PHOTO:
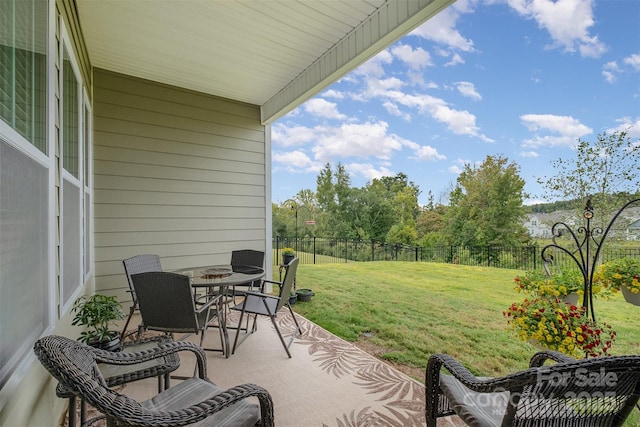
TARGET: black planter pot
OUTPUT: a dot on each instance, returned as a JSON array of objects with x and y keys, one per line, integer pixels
[
  {"x": 304, "y": 295},
  {"x": 286, "y": 259},
  {"x": 293, "y": 298},
  {"x": 113, "y": 345}
]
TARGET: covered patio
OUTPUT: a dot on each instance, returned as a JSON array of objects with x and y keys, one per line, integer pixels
[
  {"x": 328, "y": 381},
  {"x": 133, "y": 127}
]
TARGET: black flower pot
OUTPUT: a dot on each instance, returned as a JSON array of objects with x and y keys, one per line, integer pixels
[
  {"x": 293, "y": 298},
  {"x": 112, "y": 345},
  {"x": 304, "y": 295},
  {"x": 286, "y": 259}
]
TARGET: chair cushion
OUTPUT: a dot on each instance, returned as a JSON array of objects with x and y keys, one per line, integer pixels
[
  {"x": 195, "y": 390},
  {"x": 475, "y": 409}
]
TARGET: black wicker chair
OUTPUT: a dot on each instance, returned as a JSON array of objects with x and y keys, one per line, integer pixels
[
  {"x": 260, "y": 304},
  {"x": 135, "y": 265},
  {"x": 167, "y": 305},
  {"x": 594, "y": 392},
  {"x": 197, "y": 399},
  {"x": 115, "y": 375}
]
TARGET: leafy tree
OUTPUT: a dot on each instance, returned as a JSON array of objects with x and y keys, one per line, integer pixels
[
  {"x": 486, "y": 205},
  {"x": 605, "y": 171},
  {"x": 334, "y": 200}
]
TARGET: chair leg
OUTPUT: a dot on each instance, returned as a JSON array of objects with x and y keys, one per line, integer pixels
[
  {"x": 284, "y": 344},
  {"x": 72, "y": 411},
  {"x": 126, "y": 324},
  {"x": 294, "y": 319}
]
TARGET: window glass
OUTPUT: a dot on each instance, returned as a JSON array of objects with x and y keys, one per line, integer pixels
[
  {"x": 70, "y": 117},
  {"x": 23, "y": 30}
]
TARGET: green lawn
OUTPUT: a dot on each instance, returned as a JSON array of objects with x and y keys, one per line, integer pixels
[{"x": 412, "y": 310}]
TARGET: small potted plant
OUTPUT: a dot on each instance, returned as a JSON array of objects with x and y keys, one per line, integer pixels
[
  {"x": 621, "y": 274},
  {"x": 288, "y": 254},
  {"x": 95, "y": 313}
]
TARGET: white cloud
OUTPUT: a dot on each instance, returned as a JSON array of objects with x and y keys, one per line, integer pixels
[
  {"x": 529, "y": 154},
  {"x": 441, "y": 28},
  {"x": 295, "y": 161},
  {"x": 459, "y": 122},
  {"x": 567, "y": 21},
  {"x": 427, "y": 152},
  {"x": 331, "y": 93},
  {"x": 469, "y": 90},
  {"x": 367, "y": 170},
  {"x": 633, "y": 61},
  {"x": 355, "y": 140},
  {"x": 629, "y": 125},
  {"x": 456, "y": 59},
  {"x": 567, "y": 128},
  {"x": 416, "y": 59},
  {"x": 291, "y": 136},
  {"x": 374, "y": 66},
  {"x": 609, "y": 71},
  {"x": 322, "y": 108},
  {"x": 458, "y": 166},
  {"x": 394, "y": 110}
]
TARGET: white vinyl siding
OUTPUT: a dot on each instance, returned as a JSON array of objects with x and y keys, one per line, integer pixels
[{"x": 177, "y": 173}]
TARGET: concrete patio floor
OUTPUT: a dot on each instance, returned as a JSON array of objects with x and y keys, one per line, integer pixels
[{"x": 328, "y": 381}]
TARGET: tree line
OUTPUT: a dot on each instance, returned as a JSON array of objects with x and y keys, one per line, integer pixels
[{"x": 485, "y": 206}]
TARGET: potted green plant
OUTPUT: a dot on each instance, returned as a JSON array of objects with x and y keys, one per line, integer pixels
[
  {"x": 288, "y": 254},
  {"x": 95, "y": 313}
]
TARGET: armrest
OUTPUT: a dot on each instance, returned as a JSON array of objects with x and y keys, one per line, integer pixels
[
  {"x": 136, "y": 413},
  {"x": 480, "y": 385},
  {"x": 275, "y": 282},
  {"x": 164, "y": 349},
  {"x": 538, "y": 359}
]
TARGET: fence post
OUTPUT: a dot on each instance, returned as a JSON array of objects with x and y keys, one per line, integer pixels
[
  {"x": 346, "y": 243},
  {"x": 314, "y": 249}
]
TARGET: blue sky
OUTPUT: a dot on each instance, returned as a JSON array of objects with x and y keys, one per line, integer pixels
[{"x": 523, "y": 79}]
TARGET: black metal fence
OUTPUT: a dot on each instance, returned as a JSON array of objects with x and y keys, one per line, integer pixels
[{"x": 319, "y": 250}]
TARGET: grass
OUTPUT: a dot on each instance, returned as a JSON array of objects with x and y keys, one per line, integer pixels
[{"x": 409, "y": 310}]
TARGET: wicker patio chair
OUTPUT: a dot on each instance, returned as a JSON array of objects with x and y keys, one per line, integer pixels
[
  {"x": 135, "y": 265},
  {"x": 246, "y": 260},
  {"x": 594, "y": 392},
  {"x": 166, "y": 304},
  {"x": 196, "y": 401},
  {"x": 260, "y": 304},
  {"x": 115, "y": 375}
]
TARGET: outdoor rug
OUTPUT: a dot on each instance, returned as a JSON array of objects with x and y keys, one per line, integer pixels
[{"x": 327, "y": 383}]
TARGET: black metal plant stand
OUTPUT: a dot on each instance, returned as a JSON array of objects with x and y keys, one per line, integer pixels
[{"x": 586, "y": 252}]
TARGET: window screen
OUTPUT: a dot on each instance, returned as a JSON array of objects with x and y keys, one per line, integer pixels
[{"x": 24, "y": 290}]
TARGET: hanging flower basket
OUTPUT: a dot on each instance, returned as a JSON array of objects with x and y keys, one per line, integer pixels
[
  {"x": 558, "y": 326},
  {"x": 630, "y": 296},
  {"x": 621, "y": 275}
]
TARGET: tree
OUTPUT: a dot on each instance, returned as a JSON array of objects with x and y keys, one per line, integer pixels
[
  {"x": 486, "y": 205},
  {"x": 605, "y": 171}
]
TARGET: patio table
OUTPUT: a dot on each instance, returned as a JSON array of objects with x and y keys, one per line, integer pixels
[{"x": 220, "y": 281}]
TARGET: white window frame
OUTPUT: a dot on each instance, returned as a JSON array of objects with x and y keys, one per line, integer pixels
[
  {"x": 47, "y": 160},
  {"x": 66, "y": 46}
]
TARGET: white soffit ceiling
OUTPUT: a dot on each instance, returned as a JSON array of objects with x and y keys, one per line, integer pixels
[{"x": 272, "y": 53}]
